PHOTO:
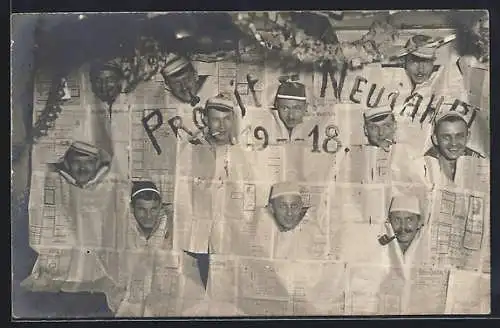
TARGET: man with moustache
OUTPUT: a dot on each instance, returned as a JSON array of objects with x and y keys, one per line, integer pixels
[
  {"x": 286, "y": 206},
  {"x": 83, "y": 165},
  {"x": 444, "y": 160},
  {"x": 405, "y": 221},
  {"x": 382, "y": 158},
  {"x": 106, "y": 81},
  {"x": 425, "y": 77}
]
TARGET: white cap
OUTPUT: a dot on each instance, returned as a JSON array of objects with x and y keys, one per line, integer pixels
[
  {"x": 174, "y": 63},
  {"x": 222, "y": 102},
  {"x": 409, "y": 204},
  {"x": 85, "y": 148},
  {"x": 418, "y": 45},
  {"x": 371, "y": 113},
  {"x": 284, "y": 188}
]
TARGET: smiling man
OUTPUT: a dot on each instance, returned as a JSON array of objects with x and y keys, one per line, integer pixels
[
  {"x": 219, "y": 118},
  {"x": 449, "y": 139},
  {"x": 152, "y": 222},
  {"x": 285, "y": 203},
  {"x": 405, "y": 219}
]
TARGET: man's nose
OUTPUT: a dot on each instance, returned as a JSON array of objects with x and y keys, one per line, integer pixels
[{"x": 453, "y": 141}]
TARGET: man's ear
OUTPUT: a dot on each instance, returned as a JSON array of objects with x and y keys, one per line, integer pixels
[
  {"x": 204, "y": 119},
  {"x": 270, "y": 207},
  {"x": 434, "y": 139},
  {"x": 365, "y": 130}
]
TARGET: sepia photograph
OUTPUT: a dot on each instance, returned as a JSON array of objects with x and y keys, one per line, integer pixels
[{"x": 250, "y": 164}]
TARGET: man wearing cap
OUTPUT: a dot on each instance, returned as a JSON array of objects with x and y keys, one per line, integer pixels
[
  {"x": 425, "y": 77},
  {"x": 152, "y": 224},
  {"x": 283, "y": 237},
  {"x": 220, "y": 121},
  {"x": 406, "y": 241},
  {"x": 181, "y": 78},
  {"x": 404, "y": 223},
  {"x": 308, "y": 142},
  {"x": 148, "y": 232},
  {"x": 444, "y": 160},
  {"x": 106, "y": 81},
  {"x": 83, "y": 165},
  {"x": 382, "y": 158}
]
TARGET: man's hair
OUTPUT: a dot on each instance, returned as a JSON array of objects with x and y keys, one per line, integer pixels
[
  {"x": 450, "y": 119},
  {"x": 146, "y": 195},
  {"x": 381, "y": 118}
]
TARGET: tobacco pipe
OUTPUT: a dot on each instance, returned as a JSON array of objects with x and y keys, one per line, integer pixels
[{"x": 384, "y": 239}]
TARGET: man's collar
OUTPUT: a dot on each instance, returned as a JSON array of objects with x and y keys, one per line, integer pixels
[{"x": 434, "y": 152}]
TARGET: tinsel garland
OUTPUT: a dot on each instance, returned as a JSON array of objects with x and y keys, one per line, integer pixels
[{"x": 277, "y": 32}]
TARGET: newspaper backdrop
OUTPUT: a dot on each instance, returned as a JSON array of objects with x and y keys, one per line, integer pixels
[{"x": 216, "y": 198}]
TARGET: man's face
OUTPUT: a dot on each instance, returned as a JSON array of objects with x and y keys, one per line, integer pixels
[
  {"x": 405, "y": 225},
  {"x": 220, "y": 125},
  {"x": 287, "y": 210},
  {"x": 147, "y": 212},
  {"x": 107, "y": 85},
  {"x": 381, "y": 133},
  {"x": 419, "y": 69},
  {"x": 183, "y": 85},
  {"x": 451, "y": 138},
  {"x": 291, "y": 111},
  {"x": 83, "y": 168}
]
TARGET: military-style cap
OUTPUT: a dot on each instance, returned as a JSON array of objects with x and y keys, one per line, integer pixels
[
  {"x": 372, "y": 113},
  {"x": 417, "y": 46},
  {"x": 84, "y": 148},
  {"x": 221, "y": 102},
  {"x": 284, "y": 188},
  {"x": 291, "y": 90},
  {"x": 409, "y": 204},
  {"x": 450, "y": 113},
  {"x": 174, "y": 63},
  {"x": 141, "y": 186}
]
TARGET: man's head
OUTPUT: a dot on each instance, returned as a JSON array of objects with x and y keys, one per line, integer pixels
[
  {"x": 219, "y": 118},
  {"x": 291, "y": 103},
  {"x": 419, "y": 64},
  {"x": 405, "y": 218},
  {"x": 106, "y": 81},
  {"x": 286, "y": 204},
  {"x": 380, "y": 126},
  {"x": 82, "y": 160},
  {"x": 450, "y": 134},
  {"x": 181, "y": 77},
  {"x": 146, "y": 204}
]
